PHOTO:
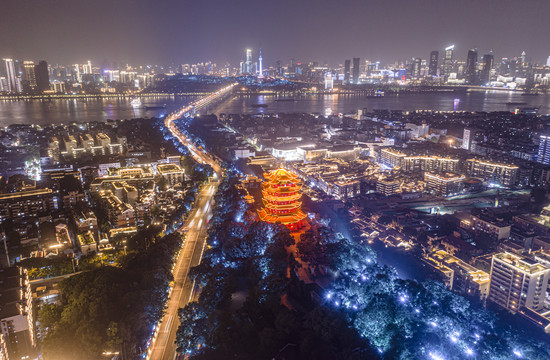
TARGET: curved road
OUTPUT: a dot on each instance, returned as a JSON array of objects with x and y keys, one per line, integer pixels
[{"x": 163, "y": 345}]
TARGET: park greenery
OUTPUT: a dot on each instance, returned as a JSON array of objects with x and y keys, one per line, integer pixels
[
  {"x": 111, "y": 308},
  {"x": 253, "y": 304}
]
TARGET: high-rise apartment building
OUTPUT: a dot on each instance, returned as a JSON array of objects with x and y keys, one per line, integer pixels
[
  {"x": 471, "y": 64},
  {"x": 544, "y": 150},
  {"x": 417, "y": 66},
  {"x": 42, "y": 76},
  {"x": 87, "y": 68},
  {"x": 355, "y": 71},
  {"x": 448, "y": 61},
  {"x": 485, "y": 74},
  {"x": 248, "y": 62},
  {"x": 29, "y": 76},
  {"x": 517, "y": 282},
  {"x": 17, "y": 329},
  {"x": 501, "y": 174},
  {"x": 434, "y": 59},
  {"x": 347, "y": 71},
  {"x": 11, "y": 75}
]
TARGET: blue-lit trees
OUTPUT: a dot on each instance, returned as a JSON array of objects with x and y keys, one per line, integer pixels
[{"x": 405, "y": 319}]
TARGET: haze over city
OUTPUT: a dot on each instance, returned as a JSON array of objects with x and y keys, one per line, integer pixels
[
  {"x": 171, "y": 31},
  {"x": 285, "y": 180}
]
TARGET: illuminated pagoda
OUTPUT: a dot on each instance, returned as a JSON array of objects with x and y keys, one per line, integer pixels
[{"x": 281, "y": 197}]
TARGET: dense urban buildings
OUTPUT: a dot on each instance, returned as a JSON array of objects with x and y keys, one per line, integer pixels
[{"x": 297, "y": 192}]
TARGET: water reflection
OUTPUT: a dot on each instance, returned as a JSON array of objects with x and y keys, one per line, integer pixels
[{"x": 43, "y": 112}]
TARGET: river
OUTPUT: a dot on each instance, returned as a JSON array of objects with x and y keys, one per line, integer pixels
[
  {"x": 58, "y": 111},
  {"x": 474, "y": 101},
  {"x": 43, "y": 112}
]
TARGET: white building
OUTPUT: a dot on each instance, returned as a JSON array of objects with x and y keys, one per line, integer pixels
[{"x": 518, "y": 282}]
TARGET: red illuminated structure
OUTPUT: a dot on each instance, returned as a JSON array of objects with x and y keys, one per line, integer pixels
[{"x": 281, "y": 197}]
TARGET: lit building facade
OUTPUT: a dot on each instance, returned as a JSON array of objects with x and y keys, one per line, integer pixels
[
  {"x": 517, "y": 282},
  {"x": 443, "y": 184},
  {"x": 500, "y": 174},
  {"x": 387, "y": 186},
  {"x": 281, "y": 198}
]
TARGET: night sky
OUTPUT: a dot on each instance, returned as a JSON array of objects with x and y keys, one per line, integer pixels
[{"x": 182, "y": 31}]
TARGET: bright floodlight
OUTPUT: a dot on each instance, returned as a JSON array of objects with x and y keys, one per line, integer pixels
[{"x": 435, "y": 356}]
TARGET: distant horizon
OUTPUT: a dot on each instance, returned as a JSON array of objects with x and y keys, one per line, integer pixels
[
  {"x": 171, "y": 32},
  {"x": 458, "y": 55}
]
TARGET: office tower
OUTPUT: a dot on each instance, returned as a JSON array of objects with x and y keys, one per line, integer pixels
[
  {"x": 355, "y": 71},
  {"x": 347, "y": 66},
  {"x": 485, "y": 74},
  {"x": 544, "y": 150},
  {"x": 467, "y": 139},
  {"x": 471, "y": 62},
  {"x": 10, "y": 75},
  {"x": 523, "y": 59},
  {"x": 87, "y": 68},
  {"x": 29, "y": 77},
  {"x": 517, "y": 282},
  {"x": 248, "y": 61},
  {"x": 76, "y": 72},
  {"x": 434, "y": 58},
  {"x": 548, "y": 61},
  {"x": 417, "y": 65},
  {"x": 329, "y": 82},
  {"x": 260, "y": 71},
  {"x": 42, "y": 76},
  {"x": 448, "y": 61}
]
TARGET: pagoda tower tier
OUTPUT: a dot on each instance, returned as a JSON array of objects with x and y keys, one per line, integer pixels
[{"x": 282, "y": 192}]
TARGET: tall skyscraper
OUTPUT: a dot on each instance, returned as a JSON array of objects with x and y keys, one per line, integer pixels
[
  {"x": 87, "y": 68},
  {"x": 260, "y": 71},
  {"x": 347, "y": 70},
  {"x": 42, "y": 76},
  {"x": 548, "y": 61},
  {"x": 485, "y": 74},
  {"x": 434, "y": 59},
  {"x": 329, "y": 82},
  {"x": 417, "y": 65},
  {"x": 543, "y": 156},
  {"x": 10, "y": 75},
  {"x": 29, "y": 76},
  {"x": 448, "y": 61},
  {"x": 355, "y": 71},
  {"x": 471, "y": 64},
  {"x": 517, "y": 282},
  {"x": 467, "y": 139},
  {"x": 76, "y": 72},
  {"x": 248, "y": 61}
]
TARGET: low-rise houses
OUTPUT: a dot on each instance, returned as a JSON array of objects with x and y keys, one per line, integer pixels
[
  {"x": 172, "y": 173},
  {"x": 459, "y": 275}
]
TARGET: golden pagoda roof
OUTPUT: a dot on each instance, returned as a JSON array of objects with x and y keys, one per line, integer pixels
[{"x": 281, "y": 174}]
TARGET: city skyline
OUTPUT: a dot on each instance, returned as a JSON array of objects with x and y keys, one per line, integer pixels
[
  {"x": 284, "y": 30},
  {"x": 308, "y": 180}
]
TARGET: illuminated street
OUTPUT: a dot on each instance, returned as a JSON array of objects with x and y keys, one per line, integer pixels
[{"x": 163, "y": 342}]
